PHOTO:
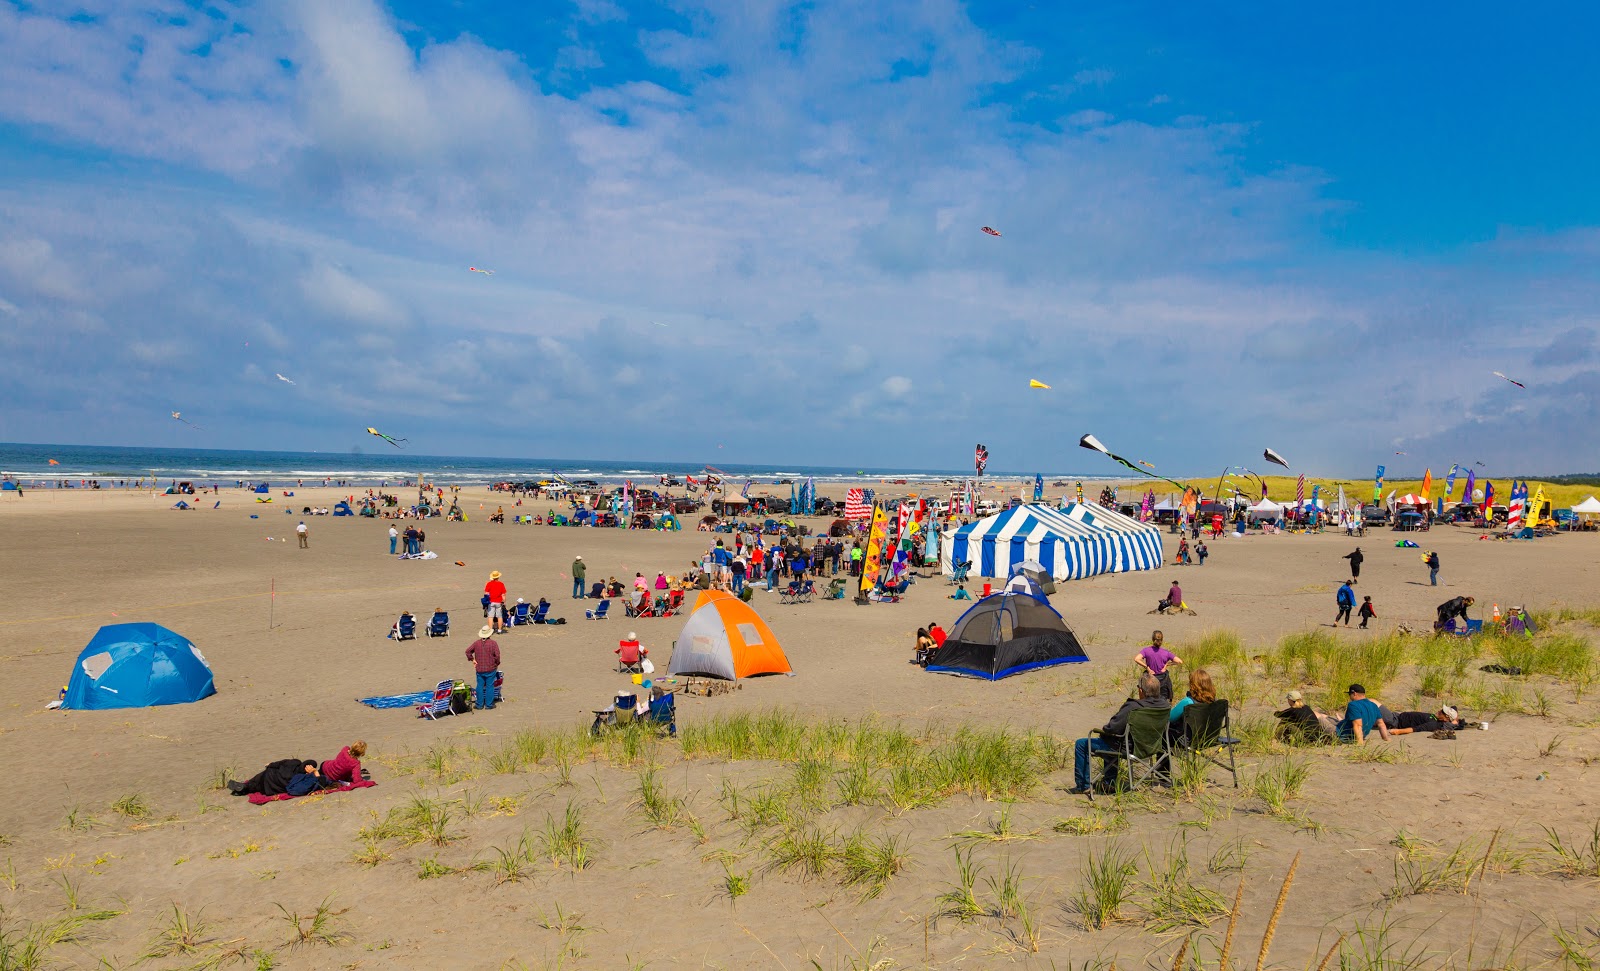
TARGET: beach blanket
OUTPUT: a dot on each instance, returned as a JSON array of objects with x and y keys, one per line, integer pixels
[
  {"x": 258, "y": 799},
  {"x": 398, "y": 701}
]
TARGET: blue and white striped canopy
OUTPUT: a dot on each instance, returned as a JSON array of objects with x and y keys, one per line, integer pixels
[{"x": 1072, "y": 543}]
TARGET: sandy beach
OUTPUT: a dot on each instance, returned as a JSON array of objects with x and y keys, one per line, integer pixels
[{"x": 295, "y": 636}]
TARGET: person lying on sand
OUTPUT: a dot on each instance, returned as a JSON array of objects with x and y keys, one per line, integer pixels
[
  {"x": 1301, "y": 723},
  {"x": 1406, "y": 722},
  {"x": 297, "y": 777}
]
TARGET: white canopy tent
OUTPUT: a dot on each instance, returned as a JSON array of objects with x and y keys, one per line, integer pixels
[
  {"x": 1588, "y": 507},
  {"x": 1266, "y": 509}
]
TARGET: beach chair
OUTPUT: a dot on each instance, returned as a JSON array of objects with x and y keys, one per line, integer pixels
[
  {"x": 440, "y": 705},
  {"x": 1143, "y": 756},
  {"x": 439, "y": 625},
  {"x": 1207, "y": 727},
  {"x": 1473, "y": 627},
  {"x": 790, "y": 594},
  {"x": 519, "y": 616},
  {"x": 404, "y": 629},
  {"x": 485, "y": 601},
  {"x": 958, "y": 573},
  {"x": 540, "y": 615},
  {"x": 598, "y": 613},
  {"x": 808, "y": 590}
]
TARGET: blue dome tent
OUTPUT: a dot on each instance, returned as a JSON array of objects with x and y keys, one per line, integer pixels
[
  {"x": 1005, "y": 634},
  {"x": 137, "y": 666}
]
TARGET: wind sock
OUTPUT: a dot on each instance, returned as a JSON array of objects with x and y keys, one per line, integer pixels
[
  {"x": 872, "y": 560},
  {"x": 1450, "y": 482},
  {"x": 1427, "y": 483},
  {"x": 1038, "y": 487},
  {"x": 1093, "y": 444},
  {"x": 1377, "y": 484},
  {"x": 1274, "y": 457}
]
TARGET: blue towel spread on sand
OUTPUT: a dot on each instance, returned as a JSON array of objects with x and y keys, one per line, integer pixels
[{"x": 398, "y": 701}]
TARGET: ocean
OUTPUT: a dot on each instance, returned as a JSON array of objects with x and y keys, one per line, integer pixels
[{"x": 30, "y": 464}]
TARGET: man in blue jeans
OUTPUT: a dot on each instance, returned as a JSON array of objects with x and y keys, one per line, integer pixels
[
  {"x": 484, "y": 653},
  {"x": 1110, "y": 737},
  {"x": 578, "y": 573},
  {"x": 1433, "y": 568}
]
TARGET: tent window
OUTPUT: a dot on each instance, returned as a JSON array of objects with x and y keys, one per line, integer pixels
[
  {"x": 199, "y": 656},
  {"x": 752, "y": 637},
  {"x": 97, "y": 665}
]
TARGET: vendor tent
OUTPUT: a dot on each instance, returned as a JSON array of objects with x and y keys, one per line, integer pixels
[
  {"x": 137, "y": 666},
  {"x": 1588, "y": 507},
  {"x": 1266, "y": 509},
  {"x": 1410, "y": 499},
  {"x": 1068, "y": 544},
  {"x": 725, "y": 638},
  {"x": 1006, "y": 634}
]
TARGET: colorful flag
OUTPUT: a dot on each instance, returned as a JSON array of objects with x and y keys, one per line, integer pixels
[
  {"x": 1316, "y": 490},
  {"x": 1450, "y": 482},
  {"x": 1488, "y": 499},
  {"x": 745, "y": 492},
  {"x": 1516, "y": 507},
  {"x": 1300, "y": 492},
  {"x": 1427, "y": 484},
  {"x": 872, "y": 560},
  {"x": 1080, "y": 493},
  {"x": 855, "y": 506},
  {"x": 980, "y": 458},
  {"x": 1535, "y": 505},
  {"x": 1466, "y": 493},
  {"x": 1377, "y": 484},
  {"x": 1038, "y": 487}
]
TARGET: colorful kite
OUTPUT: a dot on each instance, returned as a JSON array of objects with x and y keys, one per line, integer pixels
[
  {"x": 1093, "y": 444},
  {"x": 392, "y": 441},
  {"x": 179, "y": 416},
  {"x": 473, "y": 269},
  {"x": 1274, "y": 457},
  {"x": 1512, "y": 380},
  {"x": 1038, "y": 384},
  {"x": 54, "y": 462},
  {"x": 991, "y": 231},
  {"x": 1146, "y": 464},
  {"x": 282, "y": 378}
]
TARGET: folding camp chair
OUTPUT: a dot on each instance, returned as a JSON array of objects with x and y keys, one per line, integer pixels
[
  {"x": 1473, "y": 627},
  {"x": 1207, "y": 727},
  {"x": 439, "y": 625},
  {"x": 404, "y": 629},
  {"x": 790, "y": 594},
  {"x": 807, "y": 591},
  {"x": 440, "y": 705},
  {"x": 958, "y": 573},
  {"x": 1144, "y": 751},
  {"x": 540, "y": 615},
  {"x": 519, "y": 616},
  {"x": 599, "y": 613}
]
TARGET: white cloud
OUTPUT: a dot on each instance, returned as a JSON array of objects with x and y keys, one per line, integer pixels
[{"x": 897, "y": 386}]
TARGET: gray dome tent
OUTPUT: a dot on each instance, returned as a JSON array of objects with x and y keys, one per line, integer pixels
[{"x": 1005, "y": 634}]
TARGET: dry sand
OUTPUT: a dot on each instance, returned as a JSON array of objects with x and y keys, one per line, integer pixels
[{"x": 76, "y": 561}]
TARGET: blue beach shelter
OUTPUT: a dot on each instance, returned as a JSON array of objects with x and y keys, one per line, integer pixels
[{"x": 138, "y": 666}]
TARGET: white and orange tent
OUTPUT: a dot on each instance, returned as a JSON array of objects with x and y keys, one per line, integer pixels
[{"x": 725, "y": 638}]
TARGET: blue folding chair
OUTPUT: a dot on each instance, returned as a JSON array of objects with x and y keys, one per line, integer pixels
[
  {"x": 404, "y": 629},
  {"x": 519, "y": 616},
  {"x": 599, "y": 613},
  {"x": 540, "y": 614},
  {"x": 439, "y": 625}
]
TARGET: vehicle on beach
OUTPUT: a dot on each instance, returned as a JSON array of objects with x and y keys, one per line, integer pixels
[
  {"x": 1374, "y": 515},
  {"x": 988, "y": 507}
]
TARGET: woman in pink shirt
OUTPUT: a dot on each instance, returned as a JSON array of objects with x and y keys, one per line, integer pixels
[{"x": 346, "y": 766}]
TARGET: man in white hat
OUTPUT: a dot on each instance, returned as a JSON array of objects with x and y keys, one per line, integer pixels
[{"x": 484, "y": 654}]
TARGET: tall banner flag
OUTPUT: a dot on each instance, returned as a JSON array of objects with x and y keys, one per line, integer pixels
[
  {"x": 980, "y": 459},
  {"x": 1427, "y": 484},
  {"x": 855, "y": 505},
  {"x": 745, "y": 492},
  {"x": 1488, "y": 499},
  {"x": 1535, "y": 505},
  {"x": 1300, "y": 492},
  {"x": 1038, "y": 487},
  {"x": 811, "y": 495},
  {"x": 1516, "y": 506},
  {"x": 1080, "y": 493},
  {"x": 794, "y": 501},
  {"x": 1450, "y": 482},
  {"x": 872, "y": 560},
  {"x": 1316, "y": 490},
  {"x": 1466, "y": 493},
  {"x": 1377, "y": 484}
]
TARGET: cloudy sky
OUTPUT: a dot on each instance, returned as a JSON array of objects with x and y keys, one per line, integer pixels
[{"x": 756, "y": 224}]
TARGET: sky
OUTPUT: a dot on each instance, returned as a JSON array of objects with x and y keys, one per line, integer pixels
[{"x": 756, "y": 225}]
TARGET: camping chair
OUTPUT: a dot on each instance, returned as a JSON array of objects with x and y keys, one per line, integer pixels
[
  {"x": 1144, "y": 749},
  {"x": 790, "y": 594},
  {"x": 675, "y": 601},
  {"x": 663, "y": 713},
  {"x": 807, "y": 592},
  {"x": 958, "y": 573},
  {"x": 404, "y": 629},
  {"x": 636, "y": 666},
  {"x": 1473, "y": 627},
  {"x": 835, "y": 589},
  {"x": 440, "y": 705},
  {"x": 519, "y": 616},
  {"x": 599, "y": 613},
  {"x": 540, "y": 614},
  {"x": 439, "y": 625},
  {"x": 1207, "y": 727}
]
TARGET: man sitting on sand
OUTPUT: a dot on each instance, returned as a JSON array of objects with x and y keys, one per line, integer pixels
[
  {"x": 1173, "y": 601},
  {"x": 1110, "y": 737},
  {"x": 1361, "y": 717}
]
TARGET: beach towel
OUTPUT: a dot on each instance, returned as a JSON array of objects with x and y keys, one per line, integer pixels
[
  {"x": 258, "y": 799},
  {"x": 398, "y": 701}
]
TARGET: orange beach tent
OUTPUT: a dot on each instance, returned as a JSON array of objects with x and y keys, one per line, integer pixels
[{"x": 725, "y": 638}]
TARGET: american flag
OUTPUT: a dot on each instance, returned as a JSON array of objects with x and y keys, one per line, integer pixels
[{"x": 856, "y": 505}]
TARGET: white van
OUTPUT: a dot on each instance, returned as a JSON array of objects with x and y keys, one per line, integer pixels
[{"x": 988, "y": 507}]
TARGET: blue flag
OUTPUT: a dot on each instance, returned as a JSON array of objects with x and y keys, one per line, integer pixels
[{"x": 1038, "y": 487}]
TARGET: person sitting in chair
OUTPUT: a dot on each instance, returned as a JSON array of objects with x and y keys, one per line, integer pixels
[
  {"x": 924, "y": 648},
  {"x": 630, "y": 655},
  {"x": 1202, "y": 691},
  {"x": 1110, "y": 737}
]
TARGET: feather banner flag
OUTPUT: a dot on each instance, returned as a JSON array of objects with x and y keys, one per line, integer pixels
[
  {"x": 1038, "y": 487},
  {"x": 1450, "y": 481},
  {"x": 1488, "y": 499},
  {"x": 1300, "y": 493},
  {"x": 1516, "y": 506},
  {"x": 872, "y": 561},
  {"x": 1467, "y": 495},
  {"x": 1427, "y": 484},
  {"x": 1377, "y": 484},
  {"x": 855, "y": 505}
]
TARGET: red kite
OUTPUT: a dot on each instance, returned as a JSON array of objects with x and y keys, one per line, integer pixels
[{"x": 991, "y": 231}]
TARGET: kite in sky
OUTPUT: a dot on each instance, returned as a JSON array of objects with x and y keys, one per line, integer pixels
[
  {"x": 1274, "y": 457},
  {"x": 1038, "y": 384},
  {"x": 473, "y": 269},
  {"x": 1399, "y": 453},
  {"x": 991, "y": 230},
  {"x": 1146, "y": 464},
  {"x": 1512, "y": 380},
  {"x": 282, "y": 378},
  {"x": 392, "y": 441},
  {"x": 1093, "y": 444},
  {"x": 179, "y": 416}
]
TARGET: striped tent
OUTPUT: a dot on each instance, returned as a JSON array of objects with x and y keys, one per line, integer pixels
[{"x": 1072, "y": 543}]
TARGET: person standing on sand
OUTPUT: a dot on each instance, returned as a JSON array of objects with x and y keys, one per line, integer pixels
[
  {"x": 1367, "y": 613},
  {"x": 1355, "y": 564},
  {"x": 484, "y": 654},
  {"x": 496, "y": 592},
  {"x": 1155, "y": 659},
  {"x": 300, "y": 531},
  {"x": 1345, "y": 599},
  {"x": 394, "y": 539},
  {"x": 1433, "y": 568},
  {"x": 578, "y": 574}
]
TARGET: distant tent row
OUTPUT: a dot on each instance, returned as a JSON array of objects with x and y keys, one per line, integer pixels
[{"x": 1069, "y": 544}]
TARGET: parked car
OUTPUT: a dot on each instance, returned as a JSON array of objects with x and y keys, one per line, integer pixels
[{"x": 1374, "y": 515}]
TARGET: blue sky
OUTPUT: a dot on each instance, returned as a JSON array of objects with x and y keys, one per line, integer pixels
[{"x": 756, "y": 225}]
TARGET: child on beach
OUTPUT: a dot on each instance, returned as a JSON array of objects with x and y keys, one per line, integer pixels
[
  {"x": 961, "y": 593},
  {"x": 1201, "y": 551},
  {"x": 1367, "y": 613}
]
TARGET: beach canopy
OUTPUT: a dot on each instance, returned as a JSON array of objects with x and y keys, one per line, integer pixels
[
  {"x": 725, "y": 638},
  {"x": 1005, "y": 634},
  {"x": 138, "y": 666},
  {"x": 1411, "y": 499},
  {"x": 1068, "y": 544},
  {"x": 1588, "y": 507}
]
